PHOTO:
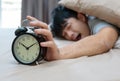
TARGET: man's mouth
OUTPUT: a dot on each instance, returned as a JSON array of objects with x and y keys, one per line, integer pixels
[{"x": 78, "y": 37}]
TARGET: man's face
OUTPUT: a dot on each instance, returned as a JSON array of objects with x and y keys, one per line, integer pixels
[{"x": 75, "y": 29}]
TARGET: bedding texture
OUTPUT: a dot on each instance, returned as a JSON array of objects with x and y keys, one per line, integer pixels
[
  {"x": 107, "y": 10},
  {"x": 103, "y": 67}
]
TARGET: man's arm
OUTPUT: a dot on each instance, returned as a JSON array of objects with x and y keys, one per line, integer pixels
[{"x": 91, "y": 45}]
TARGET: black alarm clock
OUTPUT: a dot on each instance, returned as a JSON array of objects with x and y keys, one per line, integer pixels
[{"x": 26, "y": 47}]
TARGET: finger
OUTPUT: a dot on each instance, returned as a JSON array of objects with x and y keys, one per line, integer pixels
[
  {"x": 49, "y": 44},
  {"x": 40, "y": 24},
  {"x": 45, "y": 33},
  {"x": 31, "y": 18},
  {"x": 35, "y": 22}
]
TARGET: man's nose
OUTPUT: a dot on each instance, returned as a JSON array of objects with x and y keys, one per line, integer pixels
[{"x": 70, "y": 34}]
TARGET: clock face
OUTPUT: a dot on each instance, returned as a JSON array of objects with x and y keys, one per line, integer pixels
[{"x": 26, "y": 48}]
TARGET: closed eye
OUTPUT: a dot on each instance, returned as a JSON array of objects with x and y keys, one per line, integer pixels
[{"x": 68, "y": 27}]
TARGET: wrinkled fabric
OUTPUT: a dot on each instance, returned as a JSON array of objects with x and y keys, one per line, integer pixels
[
  {"x": 108, "y": 10},
  {"x": 103, "y": 67}
]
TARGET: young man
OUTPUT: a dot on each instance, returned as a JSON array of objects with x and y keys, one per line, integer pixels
[{"x": 92, "y": 36}]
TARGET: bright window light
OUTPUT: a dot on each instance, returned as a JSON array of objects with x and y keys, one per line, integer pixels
[{"x": 10, "y": 13}]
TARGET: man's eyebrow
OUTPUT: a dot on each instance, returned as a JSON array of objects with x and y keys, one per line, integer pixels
[{"x": 65, "y": 24}]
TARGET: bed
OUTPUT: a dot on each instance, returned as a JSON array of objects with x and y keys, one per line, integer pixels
[{"x": 103, "y": 67}]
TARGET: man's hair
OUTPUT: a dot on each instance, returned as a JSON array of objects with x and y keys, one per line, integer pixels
[{"x": 59, "y": 14}]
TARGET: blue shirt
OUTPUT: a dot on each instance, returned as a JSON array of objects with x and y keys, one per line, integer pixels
[{"x": 96, "y": 24}]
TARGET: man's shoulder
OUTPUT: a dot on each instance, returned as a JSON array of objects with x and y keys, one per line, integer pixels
[{"x": 90, "y": 17}]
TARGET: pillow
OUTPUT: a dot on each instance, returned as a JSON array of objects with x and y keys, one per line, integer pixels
[
  {"x": 117, "y": 44},
  {"x": 108, "y": 10}
]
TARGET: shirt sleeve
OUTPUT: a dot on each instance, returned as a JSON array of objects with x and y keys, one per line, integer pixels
[
  {"x": 99, "y": 26},
  {"x": 96, "y": 25}
]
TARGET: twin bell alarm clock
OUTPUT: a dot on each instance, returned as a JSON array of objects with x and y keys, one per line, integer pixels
[{"x": 26, "y": 48}]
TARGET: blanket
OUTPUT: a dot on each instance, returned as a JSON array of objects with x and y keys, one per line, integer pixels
[{"x": 103, "y": 67}]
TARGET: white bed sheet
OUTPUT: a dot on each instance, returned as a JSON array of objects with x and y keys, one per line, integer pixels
[{"x": 104, "y": 67}]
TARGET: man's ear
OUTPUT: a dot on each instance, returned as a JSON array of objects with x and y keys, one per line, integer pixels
[{"x": 81, "y": 17}]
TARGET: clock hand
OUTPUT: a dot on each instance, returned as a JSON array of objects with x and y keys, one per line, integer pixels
[
  {"x": 23, "y": 45},
  {"x": 31, "y": 45}
]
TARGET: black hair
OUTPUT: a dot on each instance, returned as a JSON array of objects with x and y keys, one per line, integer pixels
[{"x": 59, "y": 14}]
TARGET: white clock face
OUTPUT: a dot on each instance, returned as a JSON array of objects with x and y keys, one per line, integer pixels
[{"x": 26, "y": 48}]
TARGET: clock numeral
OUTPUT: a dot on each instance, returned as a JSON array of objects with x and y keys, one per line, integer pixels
[
  {"x": 18, "y": 53},
  {"x": 23, "y": 39},
  {"x": 17, "y": 47},
  {"x": 33, "y": 39},
  {"x": 22, "y": 56},
  {"x": 36, "y": 54},
  {"x": 38, "y": 48},
  {"x": 19, "y": 44},
  {"x": 27, "y": 58},
  {"x": 28, "y": 38},
  {"x": 33, "y": 58},
  {"x": 36, "y": 44}
]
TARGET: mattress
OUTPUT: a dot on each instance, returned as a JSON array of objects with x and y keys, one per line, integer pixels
[{"x": 103, "y": 67}]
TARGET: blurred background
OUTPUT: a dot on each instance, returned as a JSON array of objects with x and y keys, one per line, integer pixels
[{"x": 12, "y": 12}]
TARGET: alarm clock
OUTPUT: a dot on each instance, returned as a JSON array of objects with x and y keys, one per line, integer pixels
[{"x": 26, "y": 48}]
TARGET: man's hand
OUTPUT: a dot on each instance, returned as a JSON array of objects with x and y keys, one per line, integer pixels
[
  {"x": 99, "y": 43},
  {"x": 52, "y": 50}
]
